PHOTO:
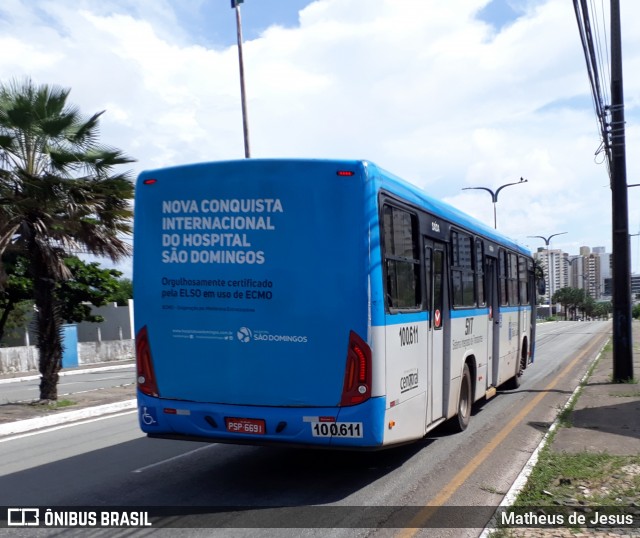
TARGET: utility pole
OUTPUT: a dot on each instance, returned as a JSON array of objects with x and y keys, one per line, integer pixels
[
  {"x": 622, "y": 338},
  {"x": 235, "y": 4}
]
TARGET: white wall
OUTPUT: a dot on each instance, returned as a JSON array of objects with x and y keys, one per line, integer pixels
[
  {"x": 117, "y": 324},
  {"x": 25, "y": 358},
  {"x": 111, "y": 340}
]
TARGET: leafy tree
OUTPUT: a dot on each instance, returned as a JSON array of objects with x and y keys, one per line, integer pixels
[
  {"x": 603, "y": 309},
  {"x": 569, "y": 298},
  {"x": 18, "y": 288},
  {"x": 635, "y": 312},
  {"x": 562, "y": 296},
  {"x": 58, "y": 194},
  {"x": 123, "y": 293},
  {"x": 588, "y": 306},
  {"x": 539, "y": 276},
  {"x": 89, "y": 283},
  {"x": 17, "y": 319}
]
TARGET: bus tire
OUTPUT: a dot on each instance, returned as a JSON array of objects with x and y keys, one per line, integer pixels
[
  {"x": 460, "y": 422},
  {"x": 515, "y": 381}
]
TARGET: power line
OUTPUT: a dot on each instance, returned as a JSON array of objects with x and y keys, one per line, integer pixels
[
  {"x": 603, "y": 58},
  {"x": 591, "y": 54},
  {"x": 612, "y": 128}
]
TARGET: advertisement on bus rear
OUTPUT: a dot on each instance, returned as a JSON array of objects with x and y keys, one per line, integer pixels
[
  {"x": 236, "y": 266},
  {"x": 217, "y": 239},
  {"x": 218, "y": 255}
]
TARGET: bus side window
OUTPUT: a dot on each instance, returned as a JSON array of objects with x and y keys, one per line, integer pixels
[
  {"x": 502, "y": 273},
  {"x": 523, "y": 278},
  {"x": 401, "y": 259},
  {"x": 479, "y": 269},
  {"x": 462, "y": 275},
  {"x": 513, "y": 279}
]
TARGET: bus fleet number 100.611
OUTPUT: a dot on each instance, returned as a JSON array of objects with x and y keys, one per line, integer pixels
[
  {"x": 336, "y": 429},
  {"x": 408, "y": 335}
]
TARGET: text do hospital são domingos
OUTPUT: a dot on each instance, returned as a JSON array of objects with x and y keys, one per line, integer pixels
[{"x": 231, "y": 222}]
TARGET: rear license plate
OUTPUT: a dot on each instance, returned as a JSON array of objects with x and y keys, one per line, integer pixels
[{"x": 246, "y": 425}]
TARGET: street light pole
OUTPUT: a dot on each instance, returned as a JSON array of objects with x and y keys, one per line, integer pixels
[
  {"x": 579, "y": 274},
  {"x": 547, "y": 240},
  {"x": 235, "y": 4},
  {"x": 576, "y": 259},
  {"x": 494, "y": 196},
  {"x": 630, "y": 257}
]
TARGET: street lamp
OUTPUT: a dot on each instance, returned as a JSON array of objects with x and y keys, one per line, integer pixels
[
  {"x": 547, "y": 240},
  {"x": 633, "y": 235},
  {"x": 235, "y": 4},
  {"x": 579, "y": 274},
  {"x": 570, "y": 263},
  {"x": 494, "y": 196}
]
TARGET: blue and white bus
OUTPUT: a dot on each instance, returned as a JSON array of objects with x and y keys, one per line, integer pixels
[{"x": 318, "y": 303}]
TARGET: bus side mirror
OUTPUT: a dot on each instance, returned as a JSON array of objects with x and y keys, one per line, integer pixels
[{"x": 542, "y": 287}]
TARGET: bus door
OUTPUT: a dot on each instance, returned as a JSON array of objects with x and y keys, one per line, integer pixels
[
  {"x": 435, "y": 282},
  {"x": 493, "y": 320}
]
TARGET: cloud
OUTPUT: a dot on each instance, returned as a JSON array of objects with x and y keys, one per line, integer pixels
[{"x": 425, "y": 89}]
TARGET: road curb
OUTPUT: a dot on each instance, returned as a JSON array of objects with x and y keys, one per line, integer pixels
[
  {"x": 23, "y": 426},
  {"x": 69, "y": 372},
  {"x": 521, "y": 480}
]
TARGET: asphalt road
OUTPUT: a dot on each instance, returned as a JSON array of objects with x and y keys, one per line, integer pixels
[
  {"x": 108, "y": 462},
  {"x": 79, "y": 381}
]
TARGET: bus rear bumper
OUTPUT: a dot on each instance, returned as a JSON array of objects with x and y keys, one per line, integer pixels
[{"x": 358, "y": 426}]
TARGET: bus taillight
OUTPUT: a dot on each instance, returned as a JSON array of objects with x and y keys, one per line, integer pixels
[
  {"x": 357, "y": 377},
  {"x": 146, "y": 378}
]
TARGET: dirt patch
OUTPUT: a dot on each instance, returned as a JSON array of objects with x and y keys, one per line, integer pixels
[{"x": 11, "y": 412}]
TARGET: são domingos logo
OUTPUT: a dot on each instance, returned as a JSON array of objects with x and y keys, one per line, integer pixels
[{"x": 246, "y": 335}]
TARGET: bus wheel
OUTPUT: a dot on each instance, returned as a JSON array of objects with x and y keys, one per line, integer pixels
[
  {"x": 461, "y": 421},
  {"x": 514, "y": 382}
]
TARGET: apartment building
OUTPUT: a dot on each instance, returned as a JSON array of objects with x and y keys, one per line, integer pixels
[
  {"x": 554, "y": 264},
  {"x": 587, "y": 270}
]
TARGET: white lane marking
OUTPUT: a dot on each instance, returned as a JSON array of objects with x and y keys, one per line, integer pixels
[
  {"x": 179, "y": 456},
  {"x": 68, "y": 393},
  {"x": 67, "y": 383},
  {"x": 103, "y": 379},
  {"x": 69, "y": 425}
]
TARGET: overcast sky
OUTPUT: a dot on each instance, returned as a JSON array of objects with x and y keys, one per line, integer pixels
[{"x": 446, "y": 94}]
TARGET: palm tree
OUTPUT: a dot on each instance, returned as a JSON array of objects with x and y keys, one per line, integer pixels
[
  {"x": 59, "y": 194},
  {"x": 569, "y": 298},
  {"x": 540, "y": 279}
]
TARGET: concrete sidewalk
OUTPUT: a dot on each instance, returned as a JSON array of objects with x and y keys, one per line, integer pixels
[
  {"x": 22, "y": 417},
  {"x": 606, "y": 417}
]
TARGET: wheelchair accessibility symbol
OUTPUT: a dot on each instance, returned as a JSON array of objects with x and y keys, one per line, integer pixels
[{"x": 148, "y": 416}]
